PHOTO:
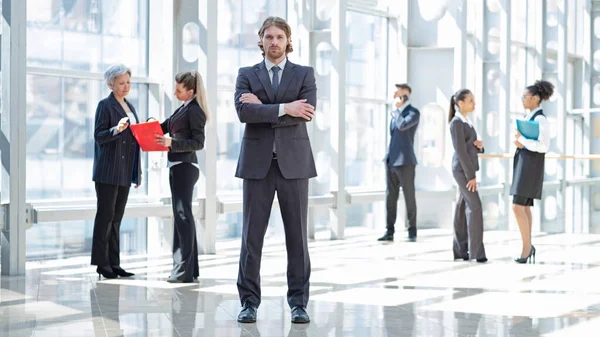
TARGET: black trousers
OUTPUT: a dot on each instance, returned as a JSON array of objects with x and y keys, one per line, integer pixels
[
  {"x": 258, "y": 197},
  {"x": 111, "y": 201},
  {"x": 401, "y": 176},
  {"x": 182, "y": 178}
]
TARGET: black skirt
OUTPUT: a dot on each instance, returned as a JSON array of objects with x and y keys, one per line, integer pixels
[{"x": 528, "y": 174}]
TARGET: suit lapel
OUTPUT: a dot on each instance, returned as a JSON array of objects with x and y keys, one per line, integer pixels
[
  {"x": 286, "y": 79},
  {"x": 263, "y": 75},
  {"x": 117, "y": 106}
]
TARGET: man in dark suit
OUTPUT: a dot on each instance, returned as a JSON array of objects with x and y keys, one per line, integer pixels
[
  {"x": 275, "y": 98},
  {"x": 400, "y": 162}
]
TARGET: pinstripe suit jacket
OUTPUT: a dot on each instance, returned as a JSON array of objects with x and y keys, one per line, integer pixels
[{"x": 114, "y": 155}]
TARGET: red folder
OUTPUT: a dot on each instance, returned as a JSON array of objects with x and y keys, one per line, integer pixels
[{"x": 145, "y": 134}]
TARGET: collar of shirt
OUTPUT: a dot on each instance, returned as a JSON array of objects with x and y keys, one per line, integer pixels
[
  {"x": 270, "y": 64},
  {"x": 188, "y": 101},
  {"x": 533, "y": 112},
  {"x": 463, "y": 118}
]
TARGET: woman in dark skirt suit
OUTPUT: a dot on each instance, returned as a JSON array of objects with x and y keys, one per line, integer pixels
[
  {"x": 186, "y": 136},
  {"x": 468, "y": 216},
  {"x": 528, "y": 168}
]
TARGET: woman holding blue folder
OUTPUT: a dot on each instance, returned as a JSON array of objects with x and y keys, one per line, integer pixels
[
  {"x": 468, "y": 216},
  {"x": 528, "y": 168},
  {"x": 186, "y": 136}
]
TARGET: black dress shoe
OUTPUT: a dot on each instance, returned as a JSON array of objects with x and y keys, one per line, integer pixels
[
  {"x": 105, "y": 271},
  {"x": 121, "y": 272},
  {"x": 412, "y": 237},
  {"x": 248, "y": 314},
  {"x": 386, "y": 237},
  {"x": 170, "y": 280},
  {"x": 482, "y": 260},
  {"x": 299, "y": 315}
]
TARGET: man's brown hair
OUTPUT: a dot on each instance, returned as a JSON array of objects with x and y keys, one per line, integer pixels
[{"x": 279, "y": 23}]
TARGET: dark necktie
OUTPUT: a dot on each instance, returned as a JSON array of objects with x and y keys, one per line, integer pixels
[{"x": 275, "y": 81}]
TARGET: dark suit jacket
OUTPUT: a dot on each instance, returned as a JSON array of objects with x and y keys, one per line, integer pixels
[
  {"x": 263, "y": 126},
  {"x": 114, "y": 155},
  {"x": 465, "y": 153},
  {"x": 186, "y": 128},
  {"x": 401, "y": 150}
]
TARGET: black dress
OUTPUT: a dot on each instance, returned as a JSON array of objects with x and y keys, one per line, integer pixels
[{"x": 528, "y": 173}]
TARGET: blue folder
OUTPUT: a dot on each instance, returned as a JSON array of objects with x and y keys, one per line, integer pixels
[{"x": 529, "y": 129}]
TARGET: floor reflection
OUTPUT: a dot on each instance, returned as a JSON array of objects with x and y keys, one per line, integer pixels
[{"x": 360, "y": 288}]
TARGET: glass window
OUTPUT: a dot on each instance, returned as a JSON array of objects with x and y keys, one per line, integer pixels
[
  {"x": 60, "y": 134},
  {"x": 366, "y": 67},
  {"x": 366, "y": 131},
  {"x": 87, "y": 35}
]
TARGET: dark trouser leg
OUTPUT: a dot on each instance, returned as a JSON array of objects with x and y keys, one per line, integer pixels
[
  {"x": 258, "y": 197},
  {"x": 182, "y": 178},
  {"x": 113, "y": 240},
  {"x": 461, "y": 234},
  {"x": 106, "y": 196},
  {"x": 474, "y": 215},
  {"x": 391, "y": 198},
  {"x": 293, "y": 201},
  {"x": 407, "y": 181}
]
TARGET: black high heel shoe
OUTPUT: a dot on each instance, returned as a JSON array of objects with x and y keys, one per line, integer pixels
[
  {"x": 121, "y": 272},
  {"x": 530, "y": 258},
  {"x": 107, "y": 272}
]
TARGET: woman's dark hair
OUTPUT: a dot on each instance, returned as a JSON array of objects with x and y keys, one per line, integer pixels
[
  {"x": 542, "y": 89},
  {"x": 459, "y": 96}
]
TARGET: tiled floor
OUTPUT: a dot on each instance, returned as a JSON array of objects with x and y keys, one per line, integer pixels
[{"x": 359, "y": 287}]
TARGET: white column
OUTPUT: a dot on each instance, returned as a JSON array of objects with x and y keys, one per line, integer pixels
[
  {"x": 505, "y": 134},
  {"x": 208, "y": 20},
  {"x": 338, "y": 115},
  {"x": 561, "y": 117},
  {"x": 12, "y": 138}
]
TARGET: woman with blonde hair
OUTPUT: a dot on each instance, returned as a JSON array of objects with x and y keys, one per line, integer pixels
[{"x": 186, "y": 136}]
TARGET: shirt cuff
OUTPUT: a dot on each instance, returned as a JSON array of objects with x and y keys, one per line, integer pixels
[
  {"x": 281, "y": 110},
  {"x": 115, "y": 130}
]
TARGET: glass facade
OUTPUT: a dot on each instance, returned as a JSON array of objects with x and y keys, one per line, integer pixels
[{"x": 71, "y": 43}]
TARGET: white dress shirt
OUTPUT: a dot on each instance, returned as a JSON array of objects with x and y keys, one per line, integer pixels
[
  {"x": 542, "y": 144},
  {"x": 398, "y": 112},
  {"x": 463, "y": 118}
]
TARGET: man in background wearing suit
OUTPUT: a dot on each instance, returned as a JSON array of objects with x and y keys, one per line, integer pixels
[
  {"x": 400, "y": 162},
  {"x": 275, "y": 98}
]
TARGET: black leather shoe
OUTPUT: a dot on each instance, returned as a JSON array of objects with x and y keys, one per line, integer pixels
[
  {"x": 299, "y": 315},
  {"x": 248, "y": 314},
  {"x": 482, "y": 260},
  {"x": 386, "y": 237},
  {"x": 121, "y": 272},
  {"x": 412, "y": 237}
]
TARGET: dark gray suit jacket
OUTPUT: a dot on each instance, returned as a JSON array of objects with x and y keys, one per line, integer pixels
[
  {"x": 465, "y": 157},
  {"x": 401, "y": 150},
  {"x": 186, "y": 128},
  {"x": 263, "y": 124},
  {"x": 115, "y": 155}
]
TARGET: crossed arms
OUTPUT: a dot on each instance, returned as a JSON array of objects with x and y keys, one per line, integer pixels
[{"x": 251, "y": 110}]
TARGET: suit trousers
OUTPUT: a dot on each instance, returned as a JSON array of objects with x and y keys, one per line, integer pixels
[
  {"x": 182, "y": 178},
  {"x": 468, "y": 222},
  {"x": 293, "y": 202},
  {"x": 401, "y": 176},
  {"x": 111, "y": 201}
]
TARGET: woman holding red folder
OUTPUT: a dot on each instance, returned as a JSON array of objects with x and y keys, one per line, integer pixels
[
  {"x": 528, "y": 168},
  {"x": 116, "y": 168},
  {"x": 186, "y": 136}
]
